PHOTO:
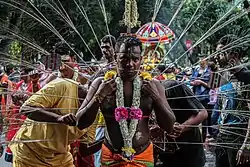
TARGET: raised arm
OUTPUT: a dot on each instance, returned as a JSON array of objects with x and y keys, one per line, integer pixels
[
  {"x": 194, "y": 110},
  {"x": 47, "y": 115},
  {"x": 164, "y": 115},
  {"x": 39, "y": 106},
  {"x": 198, "y": 112},
  {"x": 98, "y": 90}
]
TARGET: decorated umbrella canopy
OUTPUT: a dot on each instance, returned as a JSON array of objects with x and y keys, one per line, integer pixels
[
  {"x": 154, "y": 37},
  {"x": 153, "y": 33}
]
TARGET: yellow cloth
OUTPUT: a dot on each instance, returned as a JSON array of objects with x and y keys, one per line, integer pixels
[
  {"x": 149, "y": 64},
  {"x": 90, "y": 136},
  {"x": 100, "y": 118},
  {"x": 17, "y": 163},
  {"x": 54, "y": 149},
  {"x": 169, "y": 76}
]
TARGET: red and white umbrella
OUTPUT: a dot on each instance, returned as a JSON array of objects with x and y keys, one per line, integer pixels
[{"x": 154, "y": 32}]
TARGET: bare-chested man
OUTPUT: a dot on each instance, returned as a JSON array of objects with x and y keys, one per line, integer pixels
[
  {"x": 107, "y": 48},
  {"x": 105, "y": 94}
]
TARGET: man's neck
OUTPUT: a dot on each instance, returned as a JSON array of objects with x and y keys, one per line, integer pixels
[{"x": 126, "y": 79}]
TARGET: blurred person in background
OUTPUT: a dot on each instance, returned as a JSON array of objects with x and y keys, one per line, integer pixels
[
  {"x": 22, "y": 91},
  {"x": 231, "y": 59},
  {"x": 189, "y": 112},
  {"x": 4, "y": 83},
  {"x": 161, "y": 72},
  {"x": 13, "y": 74},
  {"x": 170, "y": 75},
  {"x": 199, "y": 80}
]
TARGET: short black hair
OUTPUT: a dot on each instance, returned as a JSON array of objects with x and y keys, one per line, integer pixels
[
  {"x": 236, "y": 49},
  {"x": 9, "y": 67},
  {"x": 212, "y": 66},
  {"x": 26, "y": 70},
  {"x": 108, "y": 39},
  {"x": 62, "y": 48},
  {"x": 161, "y": 68},
  {"x": 129, "y": 41}
]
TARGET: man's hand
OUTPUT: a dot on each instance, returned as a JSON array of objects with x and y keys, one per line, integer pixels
[
  {"x": 177, "y": 130},
  {"x": 195, "y": 83},
  {"x": 68, "y": 119},
  {"x": 243, "y": 155},
  {"x": 156, "y": 131},
  {"x": 106, "y": 88}
]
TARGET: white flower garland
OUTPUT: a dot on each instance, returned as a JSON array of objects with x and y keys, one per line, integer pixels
[{"x": 128, "y": 132}]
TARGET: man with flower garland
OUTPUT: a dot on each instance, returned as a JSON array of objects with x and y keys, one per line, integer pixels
[{"x": 126, "y": 101}]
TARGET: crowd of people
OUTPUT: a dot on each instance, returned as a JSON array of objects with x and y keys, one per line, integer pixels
[{"x": 121, "y": 115}]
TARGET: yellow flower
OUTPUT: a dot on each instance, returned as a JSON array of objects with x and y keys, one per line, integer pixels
[
  {"x": 165, "y": 76},
  {"x": 130, "y": 149},
  {"x": 145, "y": 76},
  {"x": 110, "y": 75}
]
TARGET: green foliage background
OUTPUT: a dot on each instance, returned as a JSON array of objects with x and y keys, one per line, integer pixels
[{"x": 18, "y": 21}]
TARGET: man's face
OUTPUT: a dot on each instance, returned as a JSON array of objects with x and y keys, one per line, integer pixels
[
  {"x": 220, "y": 57},
  {"x": 224, "y": 58},
  {"x": 203, "y": 62},
  {"x": 66, "y": 67},
  {"x": 24, "y": 76},
  {"x": 177, "y": 70},
  {"x": 129, "y": 60},
  {"x": 108, "y": 51}
]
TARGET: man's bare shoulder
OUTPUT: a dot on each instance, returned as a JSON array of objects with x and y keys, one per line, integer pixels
[
  {"x": 96, "y": 82},
  {"x": 156, "y": 82}
]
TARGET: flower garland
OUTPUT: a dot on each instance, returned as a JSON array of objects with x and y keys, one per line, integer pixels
[
  {"x": 122, "y": 113},
  {"x": 131, "y": 13}
]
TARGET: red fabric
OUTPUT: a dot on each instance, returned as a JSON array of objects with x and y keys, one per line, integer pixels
[
  {"x": 4, "y": 80},
  {"x": 29, "y": 88},
  {"x": 85, "y": 161},
  {"x": 160, "y": 77},
  {"x": 15, "y": 119},
  {"x": 3, "y": 106},
  {"x": 80, "y": 161},
  {"x": 15, "y": 122}
]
